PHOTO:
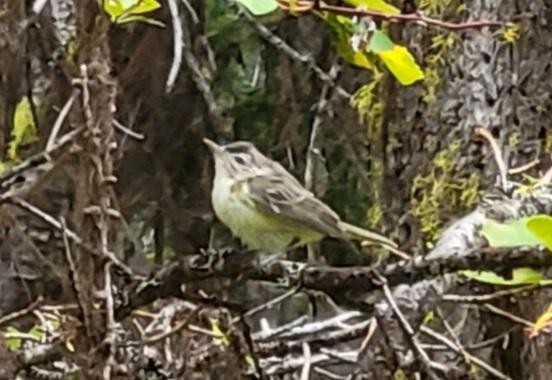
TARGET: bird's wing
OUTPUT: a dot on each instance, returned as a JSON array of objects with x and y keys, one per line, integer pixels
[{"x": 291, "y": 200}]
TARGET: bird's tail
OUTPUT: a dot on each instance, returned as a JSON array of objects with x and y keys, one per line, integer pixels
[{"x": 362, "y": 234}]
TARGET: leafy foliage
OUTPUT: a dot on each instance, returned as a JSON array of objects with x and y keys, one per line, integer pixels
[
  {"x": 510, "y": 234},
  {"x": 24, "y": 129},
  {"x": 125, "y": 11},
  {"x": 541, "y": 227},
  {"x": 259, "y": 7}
]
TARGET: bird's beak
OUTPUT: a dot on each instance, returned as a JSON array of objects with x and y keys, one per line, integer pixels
[{"x": 215, "y": 148}]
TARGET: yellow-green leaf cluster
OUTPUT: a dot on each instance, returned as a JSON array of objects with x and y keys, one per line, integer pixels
[
  {"x": 24, "y": 129},
  {"x": 124, "y": 11}
]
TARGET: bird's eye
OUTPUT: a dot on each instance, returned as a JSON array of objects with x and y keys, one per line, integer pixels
[{"x": 240, "y": 159}]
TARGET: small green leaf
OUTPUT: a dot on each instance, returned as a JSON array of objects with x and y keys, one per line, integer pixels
[
  {"x": 540, "y": 227},
  {"x": 514, "y": 233},
  {"x": 121, "y": 10},
  {"x": 13, "y": 343},
  {"x": 259, "y": 7},
  {"x": 221, "y": 337},
  {"x": 375, "y": 5},
  {"x": 520, "y": 276},
  {"x": 380, "y": 42},
  {"x": 24, "y": 129},
  {"x": 402, "y": 65}
]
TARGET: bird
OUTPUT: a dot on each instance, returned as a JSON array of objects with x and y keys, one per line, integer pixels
[{"x": 268, "y": 208}]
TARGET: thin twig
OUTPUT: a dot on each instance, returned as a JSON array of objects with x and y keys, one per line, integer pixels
[
  {"x": 524, "y": 168},
  {"x": 283, "y": 46},
  {"x": 502, "y": 167},
  {"x": 305, "y": 371},
  {"x": 178, "y": 326},
  {"x": 177, "y": 46},
  {"x": 474, "y": 359},
  {"x": 503, "y": 313},
  {"x": 271, "y": 303},
  {"x": 191, "y": 10},
  {"x": 21, "y": 313},
  {"x": 476, "y": 298},
  {"x": 416, "y": 17},
  {"x": 41, "y": 157},
  {"x": 49, "y": 219},
  {"x": 422, "y": 355},
  {"x": 127, "y": 131},
  {"x": 60, "y": 119}
]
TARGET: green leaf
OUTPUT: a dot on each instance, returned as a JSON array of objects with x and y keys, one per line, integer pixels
[
  {"x": 540, "y": 227},
  {"x": 402, "y": 65},
  {"x": 375, "y": 5},
  {"x": 24, "y": 128},
  {"x": 341, "y": 32},
  {"x": 13, "y": 343},
  {"x": 380, "y": 43},
  {"x": 259, "y": 7},
  {"x": 514, "y": 233},
  {"x": 121, "y": 10},
  {"x": 520, "y": 276},
  {"x": 397, "y": 58}
]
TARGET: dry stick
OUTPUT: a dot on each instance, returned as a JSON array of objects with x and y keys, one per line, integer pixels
[
  {"x": 21, "y": 313},
  {"x": 409, "y": 17},
  {"x": 305, "y": 371},
  {"x": 454, "y": 336},
  {"x": 179, "y": 326},
  {"x": 424, "y": 358},
  {"x": 469, "y": 298},
  {"x": 191, "y": 10},
  {"x": 284, "y": 47},
  {"x": 524, "y": 168},
  {"x": 271, "y": 303},
  {"x": 127, "y": 131},
  {"x": 111, "y": 336},
  {"x": 49, "y": 219},
  {"x": 503, "y": 313},
  {"x": 329, "y": 375},
  {"x": 204, "y": 87},
  {"x": 60, "y": 119},
  {"x": 177, "y": 46},
  {"x": 502, "y": 167},
  {"x": 474, "y": 359},
  {"x": 41, "y": 157}
]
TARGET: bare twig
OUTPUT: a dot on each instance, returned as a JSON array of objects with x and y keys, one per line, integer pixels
[
  {"x": 178, "y": 326},
  {"x": 305, "y": 371},
  {"x": 503, "y": 313},
  {"x": 476, "y": 298},
  {"x": 191, "y": 10},
  {"x": 127, "y": 131},
  {"x": 177, "y": 46},
  {"x": 70, "y": 234},
  {"x": 422, "y": 355},
  {"x": 271, "y": 303},
  {"x": 417, "y": 17},
  {"x": 21, "y": 313},
  {"x": 473, "y": 359},
  {"x": 524, "y": 168},
  {"x": 502, "y": 167},
  {"x": 284, "y": 47},
  {"x": 41, "y": 157},
  {"x": 60, "y": 119}
]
